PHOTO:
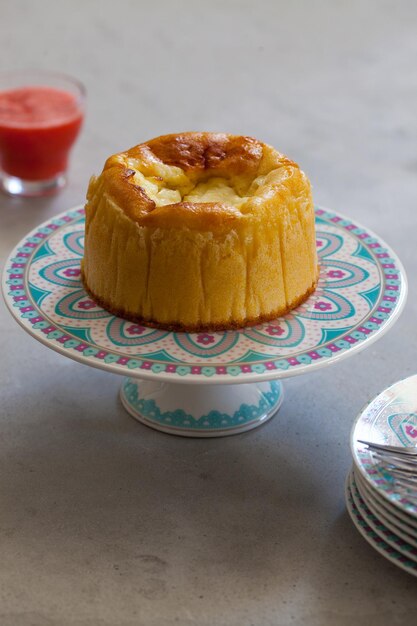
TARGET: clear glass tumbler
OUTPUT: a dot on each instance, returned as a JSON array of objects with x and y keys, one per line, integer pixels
[{"x": 41, "y": 114}]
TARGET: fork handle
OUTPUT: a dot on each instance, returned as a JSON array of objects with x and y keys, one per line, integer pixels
[{"x": 406, "y": 450}]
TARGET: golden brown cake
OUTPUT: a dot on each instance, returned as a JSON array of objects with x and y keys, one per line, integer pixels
[{"x": 200, "y": 231}]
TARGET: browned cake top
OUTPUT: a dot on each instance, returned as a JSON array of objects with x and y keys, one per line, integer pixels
[
  {"x": 217, "y": 153},
  {"x": 201, "y": 179}
]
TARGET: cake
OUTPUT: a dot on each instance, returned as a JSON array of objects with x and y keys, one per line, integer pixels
[{"x": 200, "y": 231}]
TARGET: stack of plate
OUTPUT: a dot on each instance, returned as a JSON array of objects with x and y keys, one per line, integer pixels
[{"x": 382, "y": 502}]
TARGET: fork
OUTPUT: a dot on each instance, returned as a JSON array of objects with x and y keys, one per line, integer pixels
[
  {"x": 382, "y": 447},
  {"x": 407, "y": 465},
  {"x": 401, "y": 463}
]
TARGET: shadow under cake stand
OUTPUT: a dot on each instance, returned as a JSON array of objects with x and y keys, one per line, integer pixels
[{"x": 207, "y": 384}]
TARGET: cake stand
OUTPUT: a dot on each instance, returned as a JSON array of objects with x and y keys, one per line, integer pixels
[{"x": 210, "y": 383}]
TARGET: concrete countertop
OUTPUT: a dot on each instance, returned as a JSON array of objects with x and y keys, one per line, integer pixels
[{"x": 105, "y": 521}]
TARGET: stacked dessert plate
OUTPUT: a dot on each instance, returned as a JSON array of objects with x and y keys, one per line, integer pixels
[{"x": 381, "y": 488}]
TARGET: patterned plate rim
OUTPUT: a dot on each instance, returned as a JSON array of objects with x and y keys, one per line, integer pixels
[
  {"x": 402, "y": 529},
  {"x": 381, "y": 546},
  {"x": 399, "y": 514},
  {"x": 387, "y": 534},
  {"x": 390, "y": 495},
  {"x": 230, "y": 373}
]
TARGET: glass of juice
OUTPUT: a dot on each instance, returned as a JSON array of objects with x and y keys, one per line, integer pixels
[{"x": 41, "y": 114}]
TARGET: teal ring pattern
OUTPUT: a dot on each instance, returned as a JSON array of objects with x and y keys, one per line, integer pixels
[
  {"x": 67, "y": 307},
  {"x": 141, "y": 335},
  {"x": 73, "y": 242},
  {"x": 225, "y": 342},
  {"x": 291, "y": 332},
  {"x": 52, "y": 273},
  {"x": 357, "y": 274},
  {"x": 385, "y": 299}
]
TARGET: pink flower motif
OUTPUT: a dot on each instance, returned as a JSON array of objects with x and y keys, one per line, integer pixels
[
  {"x": 350, "y": 339},
  {"x": 72, "y": 272},
  {"x": 333, "y": 347},
  {"x": 335, "y": 274},
  {"x": 135, "y": 329},
  {"x": 205, "y": 339},
  {"x": 322, "y": 306},
  {"x": 319, "y": 244},
  {"x": 275, "y": 331},
  {"x": 63, "y": 339},
  {"x": 86, "y": 304}
]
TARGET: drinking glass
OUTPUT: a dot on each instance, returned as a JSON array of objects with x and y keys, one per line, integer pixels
[{"x": 41, "y": 114}]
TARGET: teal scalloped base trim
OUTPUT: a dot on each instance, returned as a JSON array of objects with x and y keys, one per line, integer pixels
[{"x": 214, "y": 420}]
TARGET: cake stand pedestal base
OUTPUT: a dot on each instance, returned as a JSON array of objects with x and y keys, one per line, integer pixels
[{"x": 201, "y": 410}]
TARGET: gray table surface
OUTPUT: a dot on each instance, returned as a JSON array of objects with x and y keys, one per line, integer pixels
[{"x": 105, "y": 521}]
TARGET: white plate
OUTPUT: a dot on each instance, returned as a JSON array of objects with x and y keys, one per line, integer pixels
[
  {"x": 406, "y": 532},
  {"x": 409, "y": 521},
  {"x": 391, "y": 537},
  {"x": 379, "y": 544},
  {"x": 390, "y": 418}
]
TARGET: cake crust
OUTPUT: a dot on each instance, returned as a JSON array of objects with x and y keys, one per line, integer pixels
[
  {"x": 199, "y": 327},
  {"x": 200, "y": 231}
]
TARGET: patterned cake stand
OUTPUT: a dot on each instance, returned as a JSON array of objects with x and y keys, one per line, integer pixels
[{"x": 209, "y": 383}]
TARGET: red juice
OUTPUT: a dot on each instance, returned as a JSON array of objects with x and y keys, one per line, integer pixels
[{"x": 38, "y": 126}]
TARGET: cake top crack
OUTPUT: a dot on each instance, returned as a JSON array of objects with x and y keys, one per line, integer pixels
[{"x": 212, "y": 176}]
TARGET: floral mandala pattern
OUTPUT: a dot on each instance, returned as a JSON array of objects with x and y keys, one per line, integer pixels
[
  {"x": 360, "y": 292},
  {"x": 390, "y": 418}
]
